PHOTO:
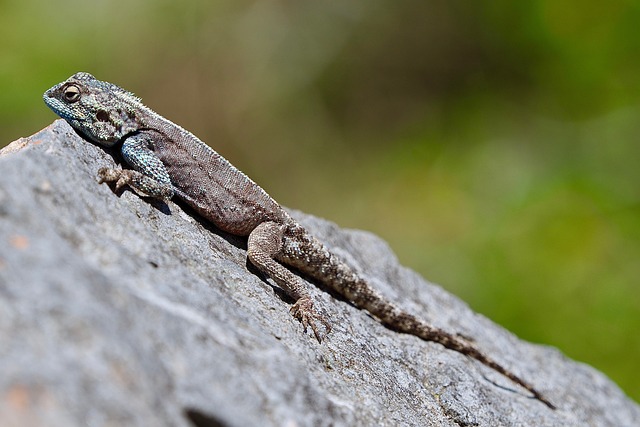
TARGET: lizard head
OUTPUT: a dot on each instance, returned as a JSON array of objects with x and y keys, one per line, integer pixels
[{"x": 101, "y": 111}]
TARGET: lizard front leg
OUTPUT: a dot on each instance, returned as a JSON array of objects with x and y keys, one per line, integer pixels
[
  {"x": 149, "y": 177},
  {"x": 265, "y": 241}
]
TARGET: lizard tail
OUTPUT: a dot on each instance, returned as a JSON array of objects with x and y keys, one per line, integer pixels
[
  {"x": 328, "y": 269},
  {"x": 398, "y": 320}
]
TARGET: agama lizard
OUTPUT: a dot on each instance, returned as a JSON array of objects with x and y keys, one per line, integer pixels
[{"x": 167, "y": 161}]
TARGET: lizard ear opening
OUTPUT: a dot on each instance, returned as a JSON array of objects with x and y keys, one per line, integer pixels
[
  {"x": 72, "y": 94},
  {"x": 102, "y": 116}
]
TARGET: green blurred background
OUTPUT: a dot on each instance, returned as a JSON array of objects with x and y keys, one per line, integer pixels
[{"x": 494, "y": 144}]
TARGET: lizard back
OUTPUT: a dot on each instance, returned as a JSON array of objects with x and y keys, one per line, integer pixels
[{"x": 209, "y": 183}]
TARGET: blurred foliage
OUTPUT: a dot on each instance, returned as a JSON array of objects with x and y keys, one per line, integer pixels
[{"x": 493, "y": 144}]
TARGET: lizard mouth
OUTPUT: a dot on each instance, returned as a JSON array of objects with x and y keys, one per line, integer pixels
[
  {"x": 57, "y": 106},
  {"x": 61, "y": 109}
]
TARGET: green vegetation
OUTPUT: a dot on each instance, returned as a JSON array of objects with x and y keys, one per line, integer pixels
[{"x": 493, "y": 144}]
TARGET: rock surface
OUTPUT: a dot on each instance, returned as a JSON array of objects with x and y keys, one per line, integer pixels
[{"x": 116, "y": 311}]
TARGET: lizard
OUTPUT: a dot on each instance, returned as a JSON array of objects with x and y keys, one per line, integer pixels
[{"x": 166, "y": 160}]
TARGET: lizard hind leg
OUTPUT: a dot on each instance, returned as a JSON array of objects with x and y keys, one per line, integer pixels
[{"x": 265, "y": 241}]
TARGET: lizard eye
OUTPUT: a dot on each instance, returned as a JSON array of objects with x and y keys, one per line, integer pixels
[{"x": 72, "y": 93}]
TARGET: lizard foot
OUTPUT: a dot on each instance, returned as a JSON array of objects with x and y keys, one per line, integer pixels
[
  {"x": 112, "y": 175},
  {"x": 141, "y": 184},
  {"x": 303, "y": 311}
]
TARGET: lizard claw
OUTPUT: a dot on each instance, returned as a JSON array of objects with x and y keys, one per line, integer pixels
[
  {"x": 303, "y": 311},
  {"x": 111, "y": 175}
]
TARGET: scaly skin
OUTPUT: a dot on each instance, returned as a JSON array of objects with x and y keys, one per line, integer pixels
[{"x": 169, "y": 161}]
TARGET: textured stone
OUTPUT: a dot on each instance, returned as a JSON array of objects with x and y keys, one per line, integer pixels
[{"x": 119, "y": 311}]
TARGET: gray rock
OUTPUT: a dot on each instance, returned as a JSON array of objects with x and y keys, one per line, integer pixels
[{"x": 119, "y": 311}]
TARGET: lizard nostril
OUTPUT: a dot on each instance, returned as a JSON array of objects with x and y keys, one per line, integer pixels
[{"x": 102, "y": 116}]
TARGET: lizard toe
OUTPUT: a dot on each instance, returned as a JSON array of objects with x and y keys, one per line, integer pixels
[{"x": 304, "y": 311}]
